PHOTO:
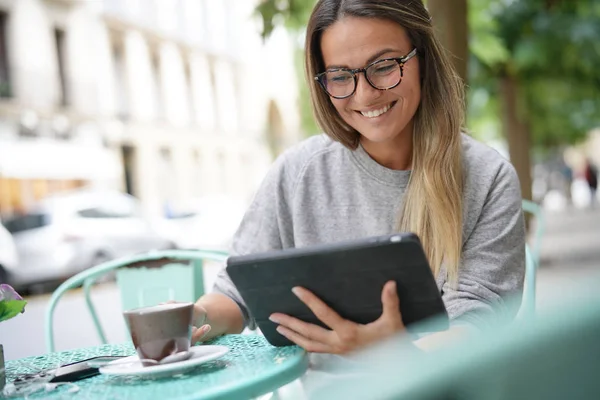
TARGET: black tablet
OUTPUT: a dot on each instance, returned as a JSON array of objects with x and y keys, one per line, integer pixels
[{"x": 348, "y": 276}]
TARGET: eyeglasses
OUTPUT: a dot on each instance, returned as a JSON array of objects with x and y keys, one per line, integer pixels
[{"x": 340, "y": 83}]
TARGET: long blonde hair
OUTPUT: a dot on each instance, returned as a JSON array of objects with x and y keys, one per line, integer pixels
[{"x": 433, "y": 203}]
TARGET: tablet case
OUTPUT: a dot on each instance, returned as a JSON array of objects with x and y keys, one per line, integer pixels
[{"x": 348, "y": 276}]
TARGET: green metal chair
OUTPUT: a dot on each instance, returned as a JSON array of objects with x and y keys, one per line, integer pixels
[
  {"x": 144, "y": 280},
  {"x": 540, "y": 225},
  {"x": 532, "y": 262},
  {"x": 527, "y": 309},
  {"x": 555, "y": 357}
]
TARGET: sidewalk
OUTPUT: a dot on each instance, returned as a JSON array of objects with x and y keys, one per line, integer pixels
[{"x": 570, "y": 254}]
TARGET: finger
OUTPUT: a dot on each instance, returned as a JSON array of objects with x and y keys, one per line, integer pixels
[
  {"x": 308, "y": 330},
  {"x": 307, "y": 344},
  {"x": 320, "y": 309},
  {"x": 200, "y": 333},
  {"x": 391, "y": 305},
  {"x": 199, "y": 315}
]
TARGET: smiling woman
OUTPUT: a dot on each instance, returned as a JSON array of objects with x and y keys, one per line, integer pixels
[{"x": 393, "y": 158}]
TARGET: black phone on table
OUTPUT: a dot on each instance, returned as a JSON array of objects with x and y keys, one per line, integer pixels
[{"x": 81, "y": 369}]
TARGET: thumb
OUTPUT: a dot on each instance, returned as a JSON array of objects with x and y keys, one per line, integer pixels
[
  {"x": 390, "y": 302},
  {"x": 199, "y": 333}
]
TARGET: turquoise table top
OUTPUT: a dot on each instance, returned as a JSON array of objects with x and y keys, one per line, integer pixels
[{"x": 251, "y": 368}]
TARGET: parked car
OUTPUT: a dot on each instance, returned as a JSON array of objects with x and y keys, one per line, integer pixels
[
  {"x": 67, "y": 233},
  {"x": 8, "y": 254},
  {"x": 205, "y": 223}
]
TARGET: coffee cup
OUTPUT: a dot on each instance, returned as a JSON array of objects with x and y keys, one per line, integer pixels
[{"x": 161, "y": 333}]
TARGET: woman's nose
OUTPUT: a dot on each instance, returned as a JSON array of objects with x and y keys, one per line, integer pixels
[{"x": 365, "y": 93}]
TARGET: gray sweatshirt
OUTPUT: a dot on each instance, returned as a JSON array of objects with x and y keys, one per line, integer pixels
[{"x": 321, "y": 192}]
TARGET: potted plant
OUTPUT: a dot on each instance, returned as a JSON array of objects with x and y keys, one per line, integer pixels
[{"x": 11, "y": 305}]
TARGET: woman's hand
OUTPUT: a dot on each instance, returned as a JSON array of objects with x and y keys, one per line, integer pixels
[
  {"x": 200, "y": 327},
  {"x": 344, "y": 335}
]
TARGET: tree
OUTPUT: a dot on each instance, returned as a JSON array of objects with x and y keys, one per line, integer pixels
[
  {"x": 538, "y": 57},
  {"x": 450, "y": 21}
]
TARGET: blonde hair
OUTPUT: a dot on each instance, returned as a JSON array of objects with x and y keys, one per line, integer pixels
[{"x": 433, "y": 203}]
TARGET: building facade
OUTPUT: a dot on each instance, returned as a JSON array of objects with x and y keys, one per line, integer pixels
[{"x": 169, "y": 100}]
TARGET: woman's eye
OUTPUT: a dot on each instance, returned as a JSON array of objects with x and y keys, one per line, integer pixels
[
  {"x": 384, "y": 69},
  {"x": 340, "y": 78}
]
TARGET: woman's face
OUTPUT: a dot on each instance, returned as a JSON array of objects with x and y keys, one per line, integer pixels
[{"x": 356, "y": 42}]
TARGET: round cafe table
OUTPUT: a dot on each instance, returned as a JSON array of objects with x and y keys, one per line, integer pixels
[{"x": 251, "y": 368}]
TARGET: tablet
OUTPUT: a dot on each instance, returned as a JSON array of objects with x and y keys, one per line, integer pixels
[{"x": 347, "y": 276}]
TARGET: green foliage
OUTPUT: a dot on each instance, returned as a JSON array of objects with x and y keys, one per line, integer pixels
[
  {"x": 550, "y": 47},
  {"x": 293, "y": 14}
]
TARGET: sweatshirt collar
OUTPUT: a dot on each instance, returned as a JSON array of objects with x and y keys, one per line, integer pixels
[{"x": 397, "y": 178}]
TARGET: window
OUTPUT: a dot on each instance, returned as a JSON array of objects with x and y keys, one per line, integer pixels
[
  {"x": 195, "y": 24},
  {"x": 148, "y": 12},
  {"x": 197, "y": 182},
  {"x": 59, "y": 38},
  {"x": 5, "y": 90},
  {"x": 214, "y": 95},
  {"x": 226, "y": 96},
  {"x": 157, "y": 88},
  {"x": 104, "y": 212},
  {"x": 114, "y": 6},
  {"x": 189, "y": 92},
  {"x": 27, "y": 222},
  {"x": 128, "y": 154},
  {"x": 223, "y": 173},
  {"x": 122, "y": 102},
  {"x": 166, "y": 184},
  {"x": 217, "y": 24}
]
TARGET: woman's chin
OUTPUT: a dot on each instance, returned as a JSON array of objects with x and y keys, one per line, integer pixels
[{"x": 378, "y": 137}]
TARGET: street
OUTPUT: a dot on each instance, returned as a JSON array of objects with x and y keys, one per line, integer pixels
[{"x": 570, "y": 258}]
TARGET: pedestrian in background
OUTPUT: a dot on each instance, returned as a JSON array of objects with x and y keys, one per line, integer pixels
[{"x": 591, "y": 176}]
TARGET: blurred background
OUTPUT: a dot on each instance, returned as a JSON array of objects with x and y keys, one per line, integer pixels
[{"x": 133, "y": 125}]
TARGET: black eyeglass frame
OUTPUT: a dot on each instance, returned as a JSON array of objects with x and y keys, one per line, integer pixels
[{"x": 400, "y": 60}]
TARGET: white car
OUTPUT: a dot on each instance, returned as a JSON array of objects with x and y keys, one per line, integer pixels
[
  {"x": 8, "y": 254},
  {"x": 65, "y": 234},
  {"x": 206, "y": 223}
]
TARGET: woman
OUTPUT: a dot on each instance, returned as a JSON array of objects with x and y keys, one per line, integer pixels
[{"x": 393, "y": 159}]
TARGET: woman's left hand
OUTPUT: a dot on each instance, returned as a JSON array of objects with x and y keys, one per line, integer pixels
[{"x": 344, "y": 335}]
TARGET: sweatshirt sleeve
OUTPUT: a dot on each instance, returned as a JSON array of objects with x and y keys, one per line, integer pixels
[
  {"x": 267, "y": 225},
  {"x": 490, "y": 280}
]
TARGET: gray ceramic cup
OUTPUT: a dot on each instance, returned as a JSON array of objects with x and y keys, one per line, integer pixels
[{"x": 160, "y": 331}]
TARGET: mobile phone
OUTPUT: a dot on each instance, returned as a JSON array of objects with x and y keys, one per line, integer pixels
[{"x": 81, "y": 369}]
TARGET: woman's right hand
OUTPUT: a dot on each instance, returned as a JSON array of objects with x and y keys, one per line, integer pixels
[{"x": 200, "y": 326}]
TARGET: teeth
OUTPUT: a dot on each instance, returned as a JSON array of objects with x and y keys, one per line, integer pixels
[{"x": 376, "y": 113}]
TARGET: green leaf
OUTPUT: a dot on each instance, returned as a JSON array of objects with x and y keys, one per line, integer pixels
[{"x": 11, "y": 308}]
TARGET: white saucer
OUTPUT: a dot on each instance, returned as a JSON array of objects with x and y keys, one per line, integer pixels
[{"x": 200, "y": 354}]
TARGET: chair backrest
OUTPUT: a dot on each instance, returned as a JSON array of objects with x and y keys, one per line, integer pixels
[
  {"x": 555, "y": 357},
  {"x": 149, "y": 282},
  {"x": 144, "y": 279},
  {"x": 532, "y": 261},
  {"x": 527, "y": 309},
  {"x": 540, "y": 225}
]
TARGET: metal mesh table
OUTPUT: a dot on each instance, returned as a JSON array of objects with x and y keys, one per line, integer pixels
[{"x": 251, "y": 368}]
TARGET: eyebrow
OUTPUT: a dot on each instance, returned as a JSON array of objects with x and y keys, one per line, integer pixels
[{"x": 369, "y": 61}]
